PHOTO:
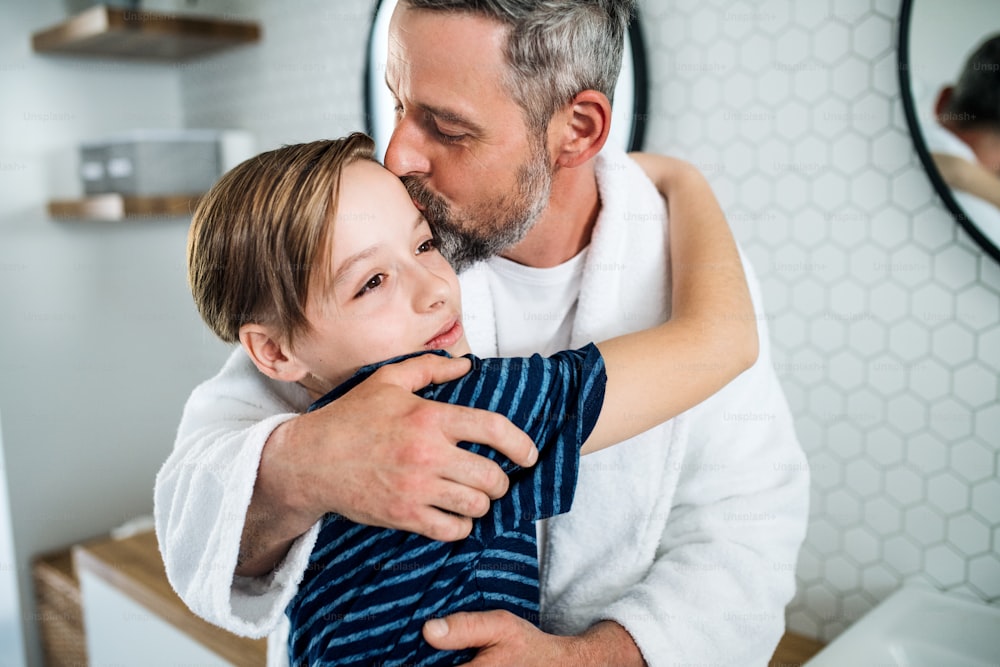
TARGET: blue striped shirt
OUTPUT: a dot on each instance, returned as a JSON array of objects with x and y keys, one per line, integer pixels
[{"x": 367, "y": 591}]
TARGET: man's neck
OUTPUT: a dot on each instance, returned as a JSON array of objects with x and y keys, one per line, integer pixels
[{"x": 565, "y": 226}]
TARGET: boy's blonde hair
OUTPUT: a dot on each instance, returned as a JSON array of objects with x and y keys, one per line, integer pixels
[{"x": 257, "y": 234}]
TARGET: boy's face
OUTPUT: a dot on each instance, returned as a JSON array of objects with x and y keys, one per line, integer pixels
[
  {"x": 461, "y": 144},
  {"x": 385, "y": 289}
]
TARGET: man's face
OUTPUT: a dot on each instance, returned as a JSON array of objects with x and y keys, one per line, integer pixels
[{"x": 461, "y": 145}]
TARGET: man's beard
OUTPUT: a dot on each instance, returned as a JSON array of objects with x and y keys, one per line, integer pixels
[{"x": 488, "y": 227}]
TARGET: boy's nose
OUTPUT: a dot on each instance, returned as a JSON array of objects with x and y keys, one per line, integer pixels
[{"x": 432, "y": 290}]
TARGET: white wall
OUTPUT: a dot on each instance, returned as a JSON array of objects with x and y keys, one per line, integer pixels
[
  {"x": 942, "y": 39},
  {"x": 304, "y": 81},
  {"x": 884, "y": 315},
  {"x": 100, "y": 343}
]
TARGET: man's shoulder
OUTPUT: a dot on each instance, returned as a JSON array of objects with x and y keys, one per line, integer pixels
[
  {"x": 631, "y": 206},
  {"x": 612, "y": 159},
  {"x": 617, "y": 172}
]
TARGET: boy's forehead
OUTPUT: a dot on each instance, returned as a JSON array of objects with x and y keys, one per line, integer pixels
[{"x": 372, "y": 202}]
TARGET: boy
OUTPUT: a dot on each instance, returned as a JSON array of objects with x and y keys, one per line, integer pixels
[{"x": 315, "y": 259}]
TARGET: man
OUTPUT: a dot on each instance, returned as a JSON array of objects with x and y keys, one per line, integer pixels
[
  {"x": 964, "y": 136},
  {"x": 680, "y": 549}
]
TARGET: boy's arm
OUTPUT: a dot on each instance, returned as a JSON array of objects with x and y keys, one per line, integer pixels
[{"x": 711, "y": 336}]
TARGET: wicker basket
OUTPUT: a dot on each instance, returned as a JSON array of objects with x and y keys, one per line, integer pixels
[{"x": 60, "y": 615}]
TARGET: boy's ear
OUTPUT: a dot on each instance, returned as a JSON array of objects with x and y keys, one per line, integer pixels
[
  {"x": 271, "y": 356},
  {"x": 581, "y": 128}
]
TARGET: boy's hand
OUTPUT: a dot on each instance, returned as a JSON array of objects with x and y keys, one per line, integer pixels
[{"x": 380, "y": 456}]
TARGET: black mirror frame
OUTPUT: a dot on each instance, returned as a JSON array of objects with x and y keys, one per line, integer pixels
[
  {"x": 640, "y": 84},
  {"x": 912, "y": 121},
  {"x": 640, "y": 81}
]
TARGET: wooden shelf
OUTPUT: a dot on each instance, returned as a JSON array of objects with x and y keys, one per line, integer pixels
[
  {"x": 122, "y": 33},
  {"x": 121, "y": 207}
]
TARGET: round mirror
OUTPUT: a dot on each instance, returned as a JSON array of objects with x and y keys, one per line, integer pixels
[
  {"x": 949, "y": 75},
  {"x": 628, "y": 114}
]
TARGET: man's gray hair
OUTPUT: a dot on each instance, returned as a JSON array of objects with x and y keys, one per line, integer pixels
[{"x": 555, "y": 48}]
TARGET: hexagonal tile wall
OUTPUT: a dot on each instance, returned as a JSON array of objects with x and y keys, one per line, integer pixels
[{"x": 883, "y": 313}]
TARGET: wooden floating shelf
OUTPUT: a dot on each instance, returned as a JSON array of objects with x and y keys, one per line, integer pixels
[
  {"x": 142, "y": 35},
  {"x": 113, "y": 207}
]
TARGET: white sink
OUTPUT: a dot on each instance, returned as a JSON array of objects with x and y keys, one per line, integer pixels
[{"x": 915, "y": 627}]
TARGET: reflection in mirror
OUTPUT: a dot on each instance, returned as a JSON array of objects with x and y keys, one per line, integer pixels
[
  {"x": 949, "y": 65},
  {"x": 628, "y": 115}
]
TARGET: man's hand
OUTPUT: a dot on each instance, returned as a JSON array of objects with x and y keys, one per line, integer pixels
[
  {"x": 505, "y": 639},
  {"x": 381, "y": 456}
]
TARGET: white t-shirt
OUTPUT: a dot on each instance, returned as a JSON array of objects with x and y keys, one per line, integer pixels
[{"x": 546, "y": 298}]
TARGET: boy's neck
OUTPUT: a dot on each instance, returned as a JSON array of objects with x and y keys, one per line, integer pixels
[{"x": 565, "y": 226}]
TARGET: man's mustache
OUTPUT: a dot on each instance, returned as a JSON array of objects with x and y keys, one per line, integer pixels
[{"x": 419, "y": 191}]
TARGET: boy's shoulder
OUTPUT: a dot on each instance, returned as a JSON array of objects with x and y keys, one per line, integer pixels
[{"x": 498, "y": 371}]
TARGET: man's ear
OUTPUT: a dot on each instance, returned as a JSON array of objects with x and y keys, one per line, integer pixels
[
  {"x": 270, "y": 355},
  {"x": 580, "y": 129},
  {"x": 943, "y": 98}
]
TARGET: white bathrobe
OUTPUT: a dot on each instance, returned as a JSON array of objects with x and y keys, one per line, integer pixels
[{"x": 687, "y": 535}]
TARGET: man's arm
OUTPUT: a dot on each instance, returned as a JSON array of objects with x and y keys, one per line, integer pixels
[
  {"x": 724, "y": 569},
  {"x": 967, "y": 176},
  {"x": 711, "y": 325},
  {"x": 222, "y": 487},
  {"x": 725, "y": 566},
  {"x": 380, "y": 456}
]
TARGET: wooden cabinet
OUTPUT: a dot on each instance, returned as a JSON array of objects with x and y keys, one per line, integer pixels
[
  {"x": 795, "y": 650},
  {"x": 132, "y": 616},
  {"x": 59, "y": 613}
]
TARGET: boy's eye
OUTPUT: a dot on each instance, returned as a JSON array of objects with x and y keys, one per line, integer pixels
[
  {"x": 426, "y": 246},
  {"x": 373, "y": 283}
]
